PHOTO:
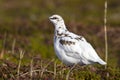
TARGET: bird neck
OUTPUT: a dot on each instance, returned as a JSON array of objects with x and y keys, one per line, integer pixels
[
  {"x": 60, "y": 26},
  {"x": 60, "y": 29}
]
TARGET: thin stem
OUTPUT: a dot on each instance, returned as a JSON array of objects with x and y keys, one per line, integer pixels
[
  {"x": 67, "y": 77},
  {"x": 43, "y": 69},
  {"x": 19, "y": 64},
  {"x": 13, "y": 46},
  {"x": 105, "y": 29},
  {"x": 55, "y": 69},
  {"x": 31, "y": 69}
]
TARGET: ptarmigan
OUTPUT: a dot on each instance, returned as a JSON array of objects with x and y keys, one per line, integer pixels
[{"x": 70, "y": 48}]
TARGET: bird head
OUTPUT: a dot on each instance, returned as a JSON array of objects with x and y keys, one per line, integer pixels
[{"x": 56, "y": 19}]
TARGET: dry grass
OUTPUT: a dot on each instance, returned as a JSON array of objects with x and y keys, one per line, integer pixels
[
  {"x": 19, "y": 64},
  {"x": 54, "y": 70},
  {"x": 105, "y": 29}
]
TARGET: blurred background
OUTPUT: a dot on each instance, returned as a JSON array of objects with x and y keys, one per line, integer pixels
[{"x": 24, "y": 25}]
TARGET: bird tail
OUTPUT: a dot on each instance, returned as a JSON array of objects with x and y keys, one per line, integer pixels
[{"x": 102, "y": 62}]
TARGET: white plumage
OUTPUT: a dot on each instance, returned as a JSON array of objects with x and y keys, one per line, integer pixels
[{"x": 70, "y": 48}]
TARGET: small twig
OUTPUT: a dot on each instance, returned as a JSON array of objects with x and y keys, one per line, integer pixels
[
  {"x": 4, "y": 41},
  {"x": 62, "y": 71},
  {"x": 105, "y": 29},
  {"x": 31, "y": 69},
  {"x": 3, "y": 49},
  {"x": 21, "y": 56},
  {"x": 43, "y": 69},
  {"x": 106, "y": 41},
  {"x": 67, "y": 77},
  {"x": 55, "y": 69},
  {"x": 23, "y": 74},
  {"x": 13, "y": 46}
]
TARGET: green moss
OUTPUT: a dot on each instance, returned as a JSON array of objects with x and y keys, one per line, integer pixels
[
  {"x": 38, "y": 46},
  {"x": 87, "y": 75}
]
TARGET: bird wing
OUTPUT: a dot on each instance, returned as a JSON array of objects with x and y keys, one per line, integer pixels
[
  {"x": 89, "y": 52},
  {"x": 77, "y": 47},
  {"x": 70, "y": 44}
]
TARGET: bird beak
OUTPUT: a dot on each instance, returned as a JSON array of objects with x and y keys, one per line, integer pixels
[{"x": 50, "y": 18}]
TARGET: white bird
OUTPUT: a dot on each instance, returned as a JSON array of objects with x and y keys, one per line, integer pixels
[{"x": 70, "y": 48}]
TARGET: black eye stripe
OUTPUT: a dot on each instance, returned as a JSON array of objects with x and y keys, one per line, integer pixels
[{"x": 54, "y": 18}]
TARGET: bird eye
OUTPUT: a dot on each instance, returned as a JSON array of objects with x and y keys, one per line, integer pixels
[{"x": 54, "y": 18}]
